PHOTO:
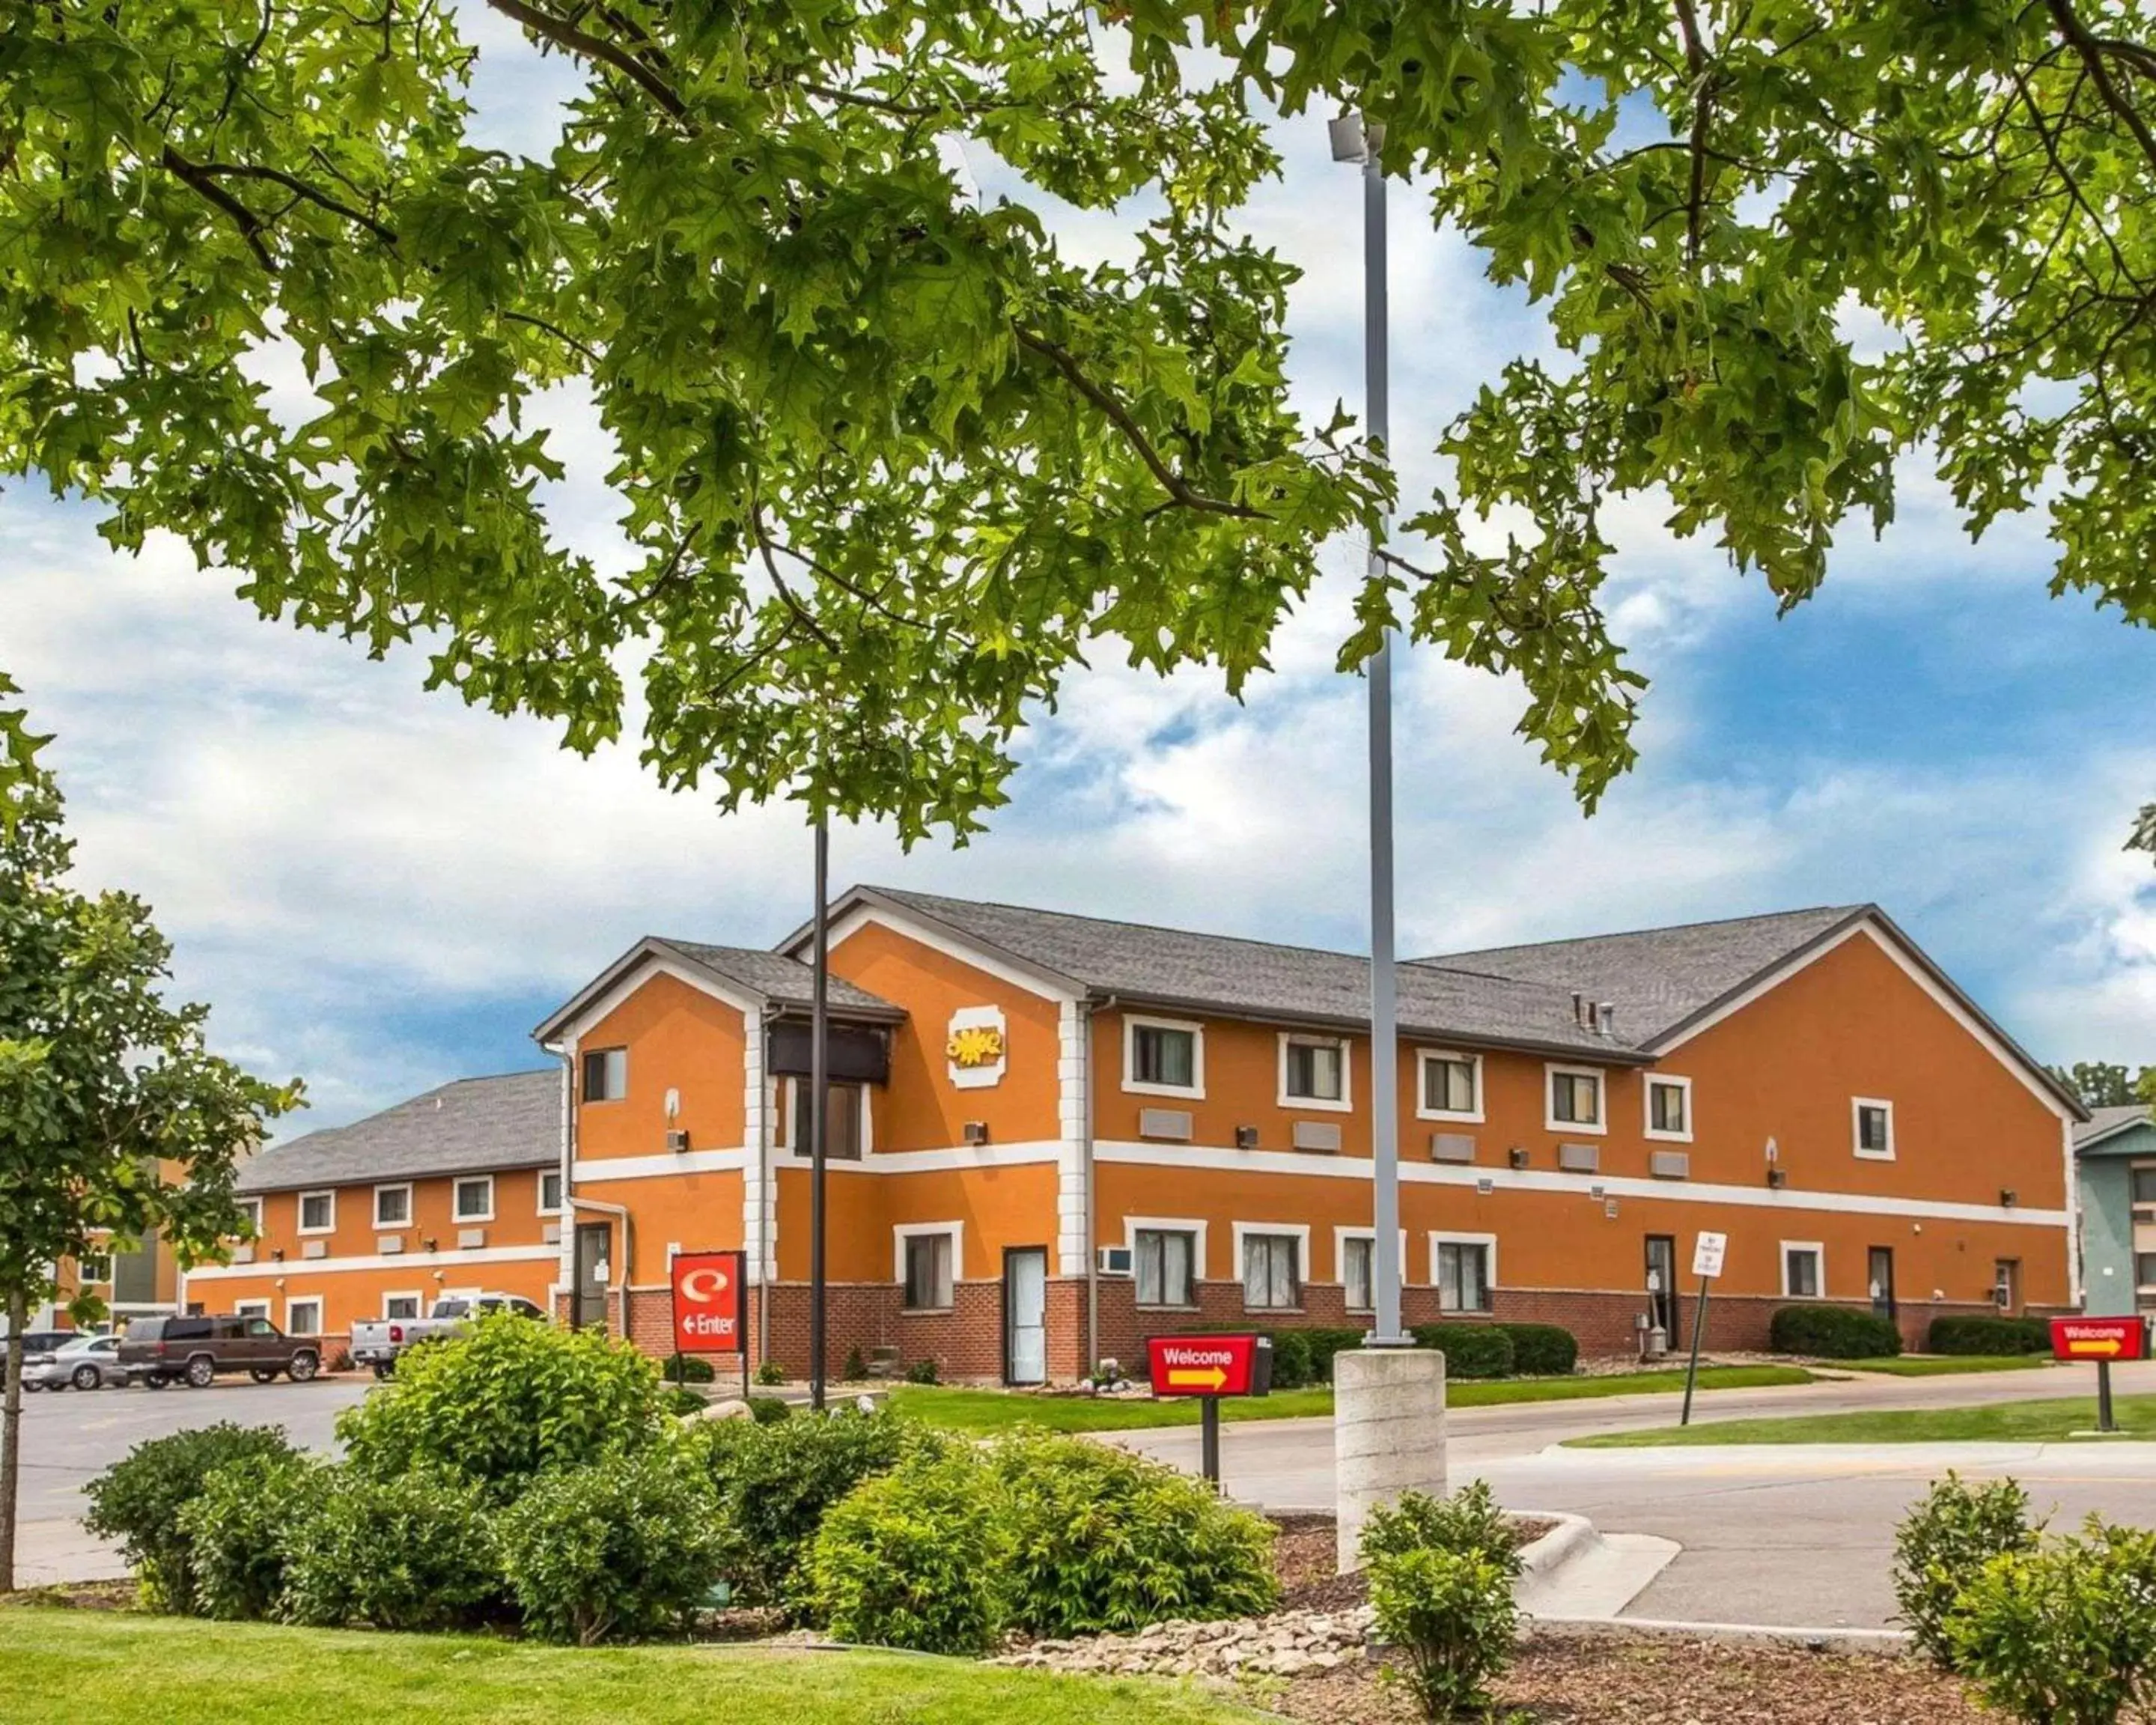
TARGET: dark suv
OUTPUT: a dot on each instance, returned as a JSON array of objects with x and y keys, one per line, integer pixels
[{"x": 194, "y": 1350}]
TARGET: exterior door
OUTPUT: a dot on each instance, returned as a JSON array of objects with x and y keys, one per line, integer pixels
[
  {"x": 588, "y": 1308},
  {"x": 1662, "y": 1283},
  {"x": 1882, "y": 1281},
  {"x": 2006, "y": 1285},
  {"x": 1025, "y": 1314}
]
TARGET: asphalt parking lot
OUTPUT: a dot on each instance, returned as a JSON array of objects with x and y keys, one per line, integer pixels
[{"x": 71, "y": 1436}]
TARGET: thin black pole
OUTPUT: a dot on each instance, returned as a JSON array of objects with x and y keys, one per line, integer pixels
[
  {"x": 1691, "y": 1372},
  {"x": 819, "y": 1089},
  {"x": 1209, "y": 1439},
  {"x": 2106, "y": 1419}
]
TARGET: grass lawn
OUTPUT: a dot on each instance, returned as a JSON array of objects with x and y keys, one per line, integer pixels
[
  {"x": 990, "y": 1410},
  {"x": 1945, "y": 1365},
  {"x": 2006, "y": 1423},
  {"x": 58, "y": 1667}
]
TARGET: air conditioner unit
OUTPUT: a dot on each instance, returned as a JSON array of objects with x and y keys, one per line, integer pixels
[
  {"x": 1113, "y": 1260},
  {"x": 677, "y": 1138}
]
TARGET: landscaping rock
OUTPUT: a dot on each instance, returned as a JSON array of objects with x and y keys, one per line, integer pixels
[
  {"x": 1287, "y": 1644},
  {"x": 724, "y": 1410}
]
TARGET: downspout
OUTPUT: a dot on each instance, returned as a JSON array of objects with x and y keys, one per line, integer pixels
[{"x": 1092, "y": 1360}]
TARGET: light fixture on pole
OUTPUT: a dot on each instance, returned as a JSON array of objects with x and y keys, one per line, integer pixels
[
  {"x": 819, "y": 1102},
  {"x": 1359, "y": 140}
]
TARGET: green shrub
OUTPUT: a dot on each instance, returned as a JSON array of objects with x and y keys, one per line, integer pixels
[
  {"x": 1542, "y": 1350},
  {"x": 768, "y": 1409},
  {"x": 1294, "y": 1364},
  {"x": 2065, "y": 1634},
  {"x": 507, "y": 1401},
  {"x": 412, "y": 1551},
  {"x": 774, "y": 1482},
  {"x": 1988, "y": 1335},
  {"x": 1470, "y": 1350},
  {"x": 856, "y": 1369},
  {"x": 1450, "y": 1616},
  {"x": 1943, "y": 1545},
  {"x": 770, "y": 1372},
  {"x": 1833, "y": 1333},
  {"x": 1469, "y": 1522},
  {"x": 139, "y": 1499},
  {"x": 922, "y": 1371},
  {"x": 622, "y": 1550},
  {"x": 239, "y": 1528},
  {"x": 680, "y": 1401},
  {"x": 687, "y": 1368},
  {"x": 915, "y": 1557},
  {"x": 1101, "y": 1540},
  {"x": 1323, "y": 1344}
]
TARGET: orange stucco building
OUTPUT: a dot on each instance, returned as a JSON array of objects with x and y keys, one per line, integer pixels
[{"x": 1053, "y": 1135}]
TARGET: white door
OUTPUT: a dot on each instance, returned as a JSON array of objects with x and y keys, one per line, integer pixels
[{"x": 1025, "y": 1314}]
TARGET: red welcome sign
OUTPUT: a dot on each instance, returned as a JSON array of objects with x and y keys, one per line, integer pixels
[
  {"x": 708, "y": 1302},
  {"x": 1210, "y": 1365},
  {"x": 2099, "y": 1338}
]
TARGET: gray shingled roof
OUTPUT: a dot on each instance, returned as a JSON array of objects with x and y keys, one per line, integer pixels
[
  {"x": 2106, "y": 1122},
  {"x": 1659, "y": 977},
  {"x": 473, "y": 1126},
  {"x": 783, "y": 981},
  {"x": 1302, "y": 984}
]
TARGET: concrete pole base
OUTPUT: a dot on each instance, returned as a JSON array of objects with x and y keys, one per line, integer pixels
[{"x": 1388, "y": 1435}]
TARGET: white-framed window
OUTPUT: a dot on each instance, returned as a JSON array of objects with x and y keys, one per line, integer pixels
[
  {"x": 550, "y": 1192},
  {"x": 1803, "y": 1270},
  {"x": 251, "y": 1308},
  {"x": 927, "y": 1257},
  {"x": 606, "y": 1073},
  {"x": 392, "y": 1206},
  {"x": 402, "y": 1307},
  {"x": 1573, "y": 1099},
  {"x": 1669, "y": 1108},
  {"x": 1871, "y": 1128},
  {"x": 1269, "y": 1257},
  {"x": 318, "y": 1212},
  {"x": 1449, "y": 1085},
  {"x": 93, "y": 1268},
  {"x": 1163, "y": 1057},
  {"x": 2144, "y": 1177},
  {"x": 251, "y": 1207},
  {"x": 1314, "y": 1072},
  {"x": 303, "y": 1316},
  {"x": 1463, "y": 1268},
  {"x": 1167, "y": 1260},
  {"x": 472, "y": 1198},
  {"x": 1354, "y": 1259},
  {"x": 846, "y": 1120}
]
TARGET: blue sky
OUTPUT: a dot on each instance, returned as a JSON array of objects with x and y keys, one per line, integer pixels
[{"x": 379, "y": 889}]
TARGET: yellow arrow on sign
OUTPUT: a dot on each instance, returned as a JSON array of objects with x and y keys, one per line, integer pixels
[
  {"x": 1210, "y": 1379},
  {"x": 2107, "y": 1344}
]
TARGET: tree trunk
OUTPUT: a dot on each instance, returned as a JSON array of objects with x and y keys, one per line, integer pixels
[{"x": 11, "y": 1435}]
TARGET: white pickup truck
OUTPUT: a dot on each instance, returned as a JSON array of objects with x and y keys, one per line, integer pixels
[{"x": 377, "y": 1344}]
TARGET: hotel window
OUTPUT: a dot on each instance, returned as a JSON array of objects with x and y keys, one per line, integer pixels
[
  {"x": 606, "y": 1074},
  {"x": 1575, "y": 1098},
  {"x": 1165, "y": 1267},
  {"x": 1313, "y": 1071},
  {"x": 1358, "y": 1274},
  {"x": 1162, "y": 1057},
  {"x": 303, "y": 1317},
  {"x": 1451, "y": 1086},
  {"x": 1803, "y": 1270},
  {"x": 1873, "y": 1124},
  {"x": 399, "y": 1306},
  {"x": 928, "y": 1271},
  {"x": 251, "y": 1207},
  {"x": 1272, "y": 1271},
  {"x": 392, "y": 1206},
  {"x": 317, "y": 1212},
  {"x": 842, "y": 1120},
  {"x": 2144, "y": 1185},
  {"x": 1463, "y": 1276},
  {"x": 1669, "y": 1108},
  {"x": 93, "y": 1267},
  {"x": 550, "y": 1192},
  {"x": 474, "y": 1200},
  {"x": 2144, "y": 1270}
]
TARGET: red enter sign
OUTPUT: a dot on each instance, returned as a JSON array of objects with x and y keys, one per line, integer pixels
[
  {"x": 708, "y": 1303},
  {"x": 2100, "y": 1338},
  {"x": 1210, "y": 1365}
]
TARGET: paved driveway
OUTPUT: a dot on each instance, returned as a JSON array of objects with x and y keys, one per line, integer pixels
[{"x": 70, "y": 1437}]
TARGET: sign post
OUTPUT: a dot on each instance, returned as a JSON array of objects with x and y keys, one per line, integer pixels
[
  {"x": 2103, "y": 1340},
  {"x": 710, "y": 1311},
  {"x": 1207, "y": 1367},
  {"x": 1707, "y": 1253}
]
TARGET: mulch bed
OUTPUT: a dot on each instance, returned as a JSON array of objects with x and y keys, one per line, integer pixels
[
  {"x": 1305, "y": 1557},
  {"x": 80, "y": 1596},
  {"x": 1644, "y": 1682}
]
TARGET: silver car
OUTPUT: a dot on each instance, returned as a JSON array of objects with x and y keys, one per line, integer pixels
[{"x": 80, "y": 1362}]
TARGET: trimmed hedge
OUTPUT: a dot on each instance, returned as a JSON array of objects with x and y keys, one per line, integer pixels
[
  {"x": 1542, "y": 1350},
  {"x": 1988, "y": 1335},
  {"x": 1833, "y": 1333},
  {"x": 1469, "y": 1350}
]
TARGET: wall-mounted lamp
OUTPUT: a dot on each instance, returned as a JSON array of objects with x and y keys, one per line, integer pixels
[
  {"x": 673, "y": 1105},
  {"x": 1777, "y": 1178},
  {"x": 276, "y": 1254},
  {"x": 2008, "y": 1196},
  {"x": 428, "y": 1244},
  {"x": 977, "y": 1131},
  {"x": 1774, "y": 1151},
  {"x": 1517, "y": 1155},
  {"x": 1246, "y": 1138}
]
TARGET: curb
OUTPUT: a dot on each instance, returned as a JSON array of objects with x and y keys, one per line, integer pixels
[
  {"x": 1572, "y": 1535},
  {"x": 1894, "y": 1642}
]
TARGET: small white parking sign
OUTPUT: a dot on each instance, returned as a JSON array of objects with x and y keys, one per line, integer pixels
[{"x": 1706, "y": 1254}]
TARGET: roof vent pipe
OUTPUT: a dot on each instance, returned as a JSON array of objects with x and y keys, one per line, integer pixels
[
  {"x": 1606, "y": 1018},
  {"x": 1579, "y": 1007}
]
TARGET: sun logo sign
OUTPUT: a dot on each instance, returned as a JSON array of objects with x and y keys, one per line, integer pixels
[
  {"x": 707, "y": 1303},
  {"x": 974, "y": 1047}
]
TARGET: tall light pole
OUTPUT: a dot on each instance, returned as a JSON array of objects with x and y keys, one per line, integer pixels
[
  {"x": 819, "y": 1104},
  {"x": 1355, "y": 140}
]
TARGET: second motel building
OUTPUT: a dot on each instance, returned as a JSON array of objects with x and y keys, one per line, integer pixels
[{"x": 1053, "y": 1135}]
